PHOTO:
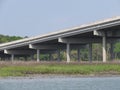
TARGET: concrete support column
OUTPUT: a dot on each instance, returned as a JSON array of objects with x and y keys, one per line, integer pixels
[
  {"x": 78, "y": 52},
  {"x": 38, "y": 55},
  {"x": 90, "y": 52},
  {"x": 68, "y": 52},
  {"x": 12, "y": 57},
  {"x": 104, "y": 48},
  {"x": 111, "y": 51}
]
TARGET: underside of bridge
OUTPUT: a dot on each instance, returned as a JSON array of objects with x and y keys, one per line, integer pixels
[{"x": 77, "y": 41}]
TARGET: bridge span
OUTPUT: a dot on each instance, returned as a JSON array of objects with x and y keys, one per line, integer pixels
[{"x": 103, "y": 32}]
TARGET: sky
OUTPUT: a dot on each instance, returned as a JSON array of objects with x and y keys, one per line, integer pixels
[{"x": 37, "y": 17}]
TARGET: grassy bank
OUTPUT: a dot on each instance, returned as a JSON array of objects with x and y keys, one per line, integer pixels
[{"x": 58, "y": 68}]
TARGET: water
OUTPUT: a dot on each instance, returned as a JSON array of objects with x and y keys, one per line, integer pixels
[{"x": 61, "y": 83}]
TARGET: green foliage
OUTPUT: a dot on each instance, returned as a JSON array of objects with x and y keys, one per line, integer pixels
[
  {"x": 6, "y": 38},
  {"x": 117, "y": 48},
  {"x": 97, "y": 52},
  {"x": 67, "y": 69}
]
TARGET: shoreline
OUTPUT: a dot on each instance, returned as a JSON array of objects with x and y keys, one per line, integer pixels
[
  {"x": 41, "y": 76},
  {"x": 53, "y": 70}
]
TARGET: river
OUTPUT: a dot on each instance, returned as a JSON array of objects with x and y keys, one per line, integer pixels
[{"x": 61, "y": 83}]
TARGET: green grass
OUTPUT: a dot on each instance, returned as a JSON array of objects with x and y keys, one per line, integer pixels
[{"x": 65, "y": 69}]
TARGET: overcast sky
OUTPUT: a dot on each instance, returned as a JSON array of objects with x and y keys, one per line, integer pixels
[{"x": 36, "y": 17}]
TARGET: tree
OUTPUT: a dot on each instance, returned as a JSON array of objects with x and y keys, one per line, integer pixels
[
  {"x": 6, "y": 38},
  {"x": 117, "y": 50}
]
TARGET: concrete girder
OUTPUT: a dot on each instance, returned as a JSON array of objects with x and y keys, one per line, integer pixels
[
  {"x": 55, "y": 47},
  {"x": 78, "y": 40},
  {"x": 101, "y": 33},
  {"x": 109, "y": 33},
  {"x": 45, "y": 46},
  {"x": 19, "y": 52},
  {"x": 98, "y": 33},
  {"x": 85, "y": 40}
]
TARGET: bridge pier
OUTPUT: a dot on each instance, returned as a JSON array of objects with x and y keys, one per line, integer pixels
[
  {"x": 68, "y": 52},
  {"x": 104, "y": 46},
  {"x": 38, "y": 55},
  {"x": 12, "y": 57}
]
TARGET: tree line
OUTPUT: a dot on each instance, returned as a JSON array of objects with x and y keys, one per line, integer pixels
[{"x": 7, "y": 38}]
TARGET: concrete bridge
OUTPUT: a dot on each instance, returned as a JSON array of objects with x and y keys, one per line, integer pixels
[{"x": 105, "y": 31}]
